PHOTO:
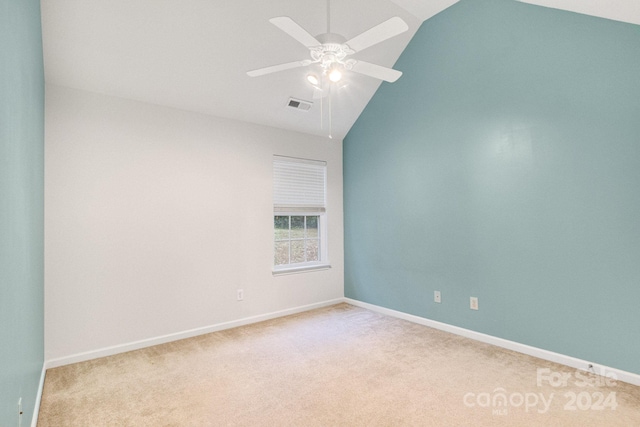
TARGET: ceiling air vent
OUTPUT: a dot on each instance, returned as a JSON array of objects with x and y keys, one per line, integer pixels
[{"x": 299, "y": 104}]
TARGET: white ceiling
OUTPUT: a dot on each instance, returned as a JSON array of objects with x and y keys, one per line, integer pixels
[
  {"x": 618, "y": 10},
  {"x": 194, "y": 54}
]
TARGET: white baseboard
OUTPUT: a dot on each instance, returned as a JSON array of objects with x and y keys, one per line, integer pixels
[
  {"x": 36, "y": 406},
  {"x": 136, "y": 345},
  {"x": 628, "y": 377}
]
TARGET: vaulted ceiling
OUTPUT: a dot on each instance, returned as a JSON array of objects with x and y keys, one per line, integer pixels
[{"x": 194, "y": 54}]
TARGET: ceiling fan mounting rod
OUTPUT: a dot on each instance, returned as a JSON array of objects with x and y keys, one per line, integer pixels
[{"x": 328, "y": 16}]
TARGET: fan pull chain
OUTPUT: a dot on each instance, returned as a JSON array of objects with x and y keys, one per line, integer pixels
[
  {"x": 330, "y": 124},
  {"x": 321, "y": 110}
]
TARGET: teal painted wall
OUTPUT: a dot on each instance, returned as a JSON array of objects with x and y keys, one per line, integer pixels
[
  {"x": 21, "y": 208},
  {"x": 505, "y": 164}
]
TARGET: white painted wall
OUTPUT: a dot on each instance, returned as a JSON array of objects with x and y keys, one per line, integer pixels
[{"x": 155, "y": 216}]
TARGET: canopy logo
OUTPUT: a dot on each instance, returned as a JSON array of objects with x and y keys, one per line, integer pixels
[{"x": 590, "y": 399}]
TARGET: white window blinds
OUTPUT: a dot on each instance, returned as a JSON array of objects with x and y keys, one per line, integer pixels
[{"x": 299, "y": 185}]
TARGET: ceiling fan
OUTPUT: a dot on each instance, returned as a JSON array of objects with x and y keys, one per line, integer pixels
[{"x": 331, "y": 51}]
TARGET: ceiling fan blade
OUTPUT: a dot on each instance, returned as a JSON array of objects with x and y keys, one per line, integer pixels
[
  {"x": 383, "y": 73},
  {"x": 290, "y": 27},
  {"x": 274, "y": 68},
  {"x": 389, "y": 28}
]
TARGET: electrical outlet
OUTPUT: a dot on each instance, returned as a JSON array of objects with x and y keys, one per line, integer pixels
[
  {"x": 240, "y": 294},
  {"x": 473, "y": 303},
  {"x": 436, "y": 296}
]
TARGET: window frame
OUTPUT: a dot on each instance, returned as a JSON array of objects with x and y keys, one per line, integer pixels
[
  {"x": 322, "y": 262},
  {"x": 292, "y": 211}
]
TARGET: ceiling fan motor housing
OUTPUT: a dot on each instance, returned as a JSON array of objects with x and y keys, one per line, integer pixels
[{"x": 332, "y": 51}]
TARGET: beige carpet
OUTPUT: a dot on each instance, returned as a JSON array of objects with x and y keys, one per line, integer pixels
[{"x": 336, "y": 366}]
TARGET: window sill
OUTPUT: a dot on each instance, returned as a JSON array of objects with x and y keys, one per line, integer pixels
[{"x": 302, "y": 269}]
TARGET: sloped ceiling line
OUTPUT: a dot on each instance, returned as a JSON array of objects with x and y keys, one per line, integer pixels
[
  {"x": 193, "y": 55},
  {"x": 617, "y": 10}
]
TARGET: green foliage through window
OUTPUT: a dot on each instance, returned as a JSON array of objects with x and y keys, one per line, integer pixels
[{"x": 297, "y": 239}]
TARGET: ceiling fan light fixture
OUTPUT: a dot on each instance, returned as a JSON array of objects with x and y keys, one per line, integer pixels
[
  {"x": 335, "y": 75},
  {"x": 313, "y": 79}
]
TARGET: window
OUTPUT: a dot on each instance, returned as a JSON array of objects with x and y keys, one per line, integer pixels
[{"x": 299, "y": 214}]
